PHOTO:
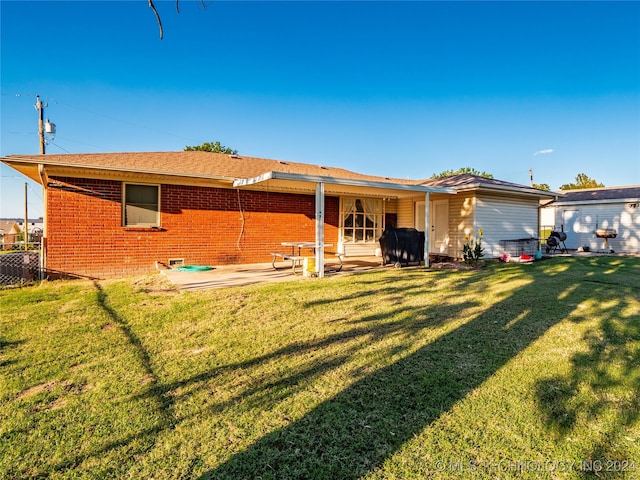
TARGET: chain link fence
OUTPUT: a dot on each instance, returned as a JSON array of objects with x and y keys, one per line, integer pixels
[{"x": 19, "y": 267}]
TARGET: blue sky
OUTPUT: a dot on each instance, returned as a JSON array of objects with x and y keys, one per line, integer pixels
[{"x": 404, "y": 89}]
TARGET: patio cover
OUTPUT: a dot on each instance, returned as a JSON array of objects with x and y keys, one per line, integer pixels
[{"x": 326, "y": 185}]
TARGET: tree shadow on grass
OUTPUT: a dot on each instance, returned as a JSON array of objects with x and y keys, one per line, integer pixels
[
  {"x": 270, "y": 388},
  {"x": 360, "y": 331},
  {"x": 8, "y": 345},
  {"x": 601, "y": 392},
  {"x": 141, "y": 353},
  {"x": 354, "y": 432},
  {"x": 155, "y": 391}
]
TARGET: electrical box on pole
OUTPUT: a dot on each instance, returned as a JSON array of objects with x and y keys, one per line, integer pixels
[
  {"x": 40, "y": 109},
  {"x": 44, "y": 128}
]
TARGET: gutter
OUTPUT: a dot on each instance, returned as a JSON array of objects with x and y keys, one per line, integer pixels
[
  {"x": 44, "y": 245},
  {"x": 14, "y": 159},
  {"x": 504, "y": 188},
  {"x": 597, "y": 202},
  {"x": 244, "y": 182},
  {"x": 44, "y": 178}
]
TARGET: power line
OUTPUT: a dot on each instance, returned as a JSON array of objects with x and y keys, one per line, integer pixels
[
  {"x": 63, "y": 149},
  {"x": 99, "y": 114},
  {"x": 126, "y": 122},
  {"x": 67, "y": 140},
  {"x": 27, "y": 95},
  {"x": 34, "y": 192}
]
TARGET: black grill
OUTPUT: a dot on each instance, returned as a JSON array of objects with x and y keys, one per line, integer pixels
[
  {"x": 402, "y": 246},
  {"x": 556, "y": 241}
]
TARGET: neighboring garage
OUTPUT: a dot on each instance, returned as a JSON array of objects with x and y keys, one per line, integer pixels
[{"x": 580, "y": 213}]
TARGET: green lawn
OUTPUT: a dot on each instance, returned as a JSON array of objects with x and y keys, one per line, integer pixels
[{"x": 511, "y": 371}]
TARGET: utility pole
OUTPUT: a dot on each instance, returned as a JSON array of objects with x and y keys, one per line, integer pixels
[
  {"x": 40, "y": 108},
  {"x": 531, "y": 177},
  {"x": 47, "y": 127}
]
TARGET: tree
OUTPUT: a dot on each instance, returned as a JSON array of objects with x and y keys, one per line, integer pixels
[
  {"x": 582, "y": 181},
  {"x": 152, "y": 6},
  {"x": 468, "y": 170},
  {"x": 211, "y": 147},
  {"x": 542, "y": 186}
]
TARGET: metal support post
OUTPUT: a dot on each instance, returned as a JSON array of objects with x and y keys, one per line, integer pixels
[{"x": 320, "y": 229}]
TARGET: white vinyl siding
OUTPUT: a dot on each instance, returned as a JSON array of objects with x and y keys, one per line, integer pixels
[
  {"x": 405, "y": 212},
  {"x": 500, "y": 218},
  {"x": 504, "y": 218},
  {"x": 391, "y": 206},
  {"x": 621, "y": 216},
  {"x": 461, "y": 221},
  {"x": 461, "y": 218}
]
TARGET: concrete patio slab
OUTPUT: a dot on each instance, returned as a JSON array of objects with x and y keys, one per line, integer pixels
[{"x": 238, "y": 275}]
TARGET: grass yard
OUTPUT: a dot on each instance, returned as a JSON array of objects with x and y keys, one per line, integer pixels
[{"x": 527, "y": 371}]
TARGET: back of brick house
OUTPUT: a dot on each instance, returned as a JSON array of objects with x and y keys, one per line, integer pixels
[{"x": 202, "y": 225}]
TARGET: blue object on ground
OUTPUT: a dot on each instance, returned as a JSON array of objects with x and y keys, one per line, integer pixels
[{"x": 194, "y": 268}]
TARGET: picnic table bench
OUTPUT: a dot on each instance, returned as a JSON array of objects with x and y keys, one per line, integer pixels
[{"x": 297, "y": 259}]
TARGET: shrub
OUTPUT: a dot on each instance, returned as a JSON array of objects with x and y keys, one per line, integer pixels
[{"x": 473, "y": 253}]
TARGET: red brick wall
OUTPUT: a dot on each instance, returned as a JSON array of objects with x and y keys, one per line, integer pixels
[{"x": 205, "y": 226}]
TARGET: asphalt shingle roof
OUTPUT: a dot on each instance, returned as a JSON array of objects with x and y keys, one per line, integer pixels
[
  {"x": 195, "y": 163},
  {"x": 467, "y": 180},
  {"x": 596, "y": 194},
  {"x": 217, "y": 165}
]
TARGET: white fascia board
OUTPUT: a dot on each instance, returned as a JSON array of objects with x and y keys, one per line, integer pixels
[
  {"x": 483, "y": 187},
  {"x": 243, "y": 182},
  {"x": 81, "y": 166},
  {"x": 595, "y": 202},
  {"x": 506, "y": 188}
]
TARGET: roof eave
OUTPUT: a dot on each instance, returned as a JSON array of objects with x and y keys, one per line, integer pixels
[
  {"x": 245, "y": 182},
  {"x": 43, "y": 161},
  {"x": 488, "y": 187},
  {"x": 593, "y": 202},
  {"x": 520, "y": 190}
]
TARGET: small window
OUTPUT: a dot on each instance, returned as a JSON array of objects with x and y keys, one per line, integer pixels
[
  {"x": 141, "y": 205},
  {"x": 176, "y": 262}
]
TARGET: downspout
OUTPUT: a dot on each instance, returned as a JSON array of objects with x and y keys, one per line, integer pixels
[
  {"x": 474, "y": 231},
  {"x": 540, "y": 207},
  {"x": 320, "y": 229},
  {"x": 44, "y": 181}
]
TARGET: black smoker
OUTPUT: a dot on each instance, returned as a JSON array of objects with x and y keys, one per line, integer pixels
[
  {"x": 402, "y": 246},
  {"x": 555, "y": 241}
]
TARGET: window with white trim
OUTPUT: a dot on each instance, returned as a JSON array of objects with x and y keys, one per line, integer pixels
[
  {"x": 141, "y": 205},
  {"x": 362, "y": 219}
]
